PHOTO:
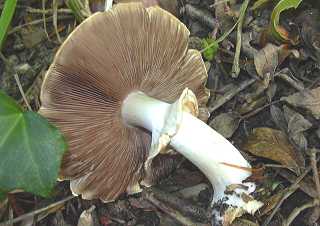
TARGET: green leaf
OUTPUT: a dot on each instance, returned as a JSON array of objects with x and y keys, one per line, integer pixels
[
  {"x": 5, "y": 19},
  {"x": 210, "y": 47},
  {"x": 3, "y": 195},
  {"x": 30, "y": 148},
  {"x": 277, "y": 31}
]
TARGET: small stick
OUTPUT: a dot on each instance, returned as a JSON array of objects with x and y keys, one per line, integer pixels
[
  {"x": 235, "y": 67},
  {"x": 36, "y": 212},
  {"x": 283, "y": 74},
  {"x": 16, "y": 77},
  {"x": 304, "y": 185},
  {"x": 200, "y": 15},
  {"x": 229, "y": 95},
  {"x": 298, "y": 210},
  {"x": 164, "y": 201},
  {"x": 46, "y": 11},
  {"x": 35, "y": 22},
  {"x": 55, "y": 19},
  {"x": 44, "y": 19},
  {"x": 292, "y": 189},
  {"x": 313, "y": 163}
]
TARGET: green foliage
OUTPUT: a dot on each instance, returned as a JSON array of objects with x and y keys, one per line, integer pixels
[
  {"x": 210, "y": 47},
  {"x": 80, "y": 9},
  {"x": 30, "y": 150},
  {"x": 5, "y": 19},
  {"x": 282, "y": 5}
]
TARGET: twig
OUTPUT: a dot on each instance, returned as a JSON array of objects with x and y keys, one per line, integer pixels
[
  {"x": 255, "y": 111},
  {"x": 36, "y": 212},
  {"x": 55, "y": 19},
  {"x": 235, "y": 67},
  {"x": 313, "y": 163},
  {"x": 46, "y": 11},
  {"x": 298, "y": 210},
  {"x": 165, "y": 201},
  {"x": 16, "y": 77},
  {"x": 291, "y": 189},
  {"x": 200, "y": 15},
  {"x": 44, "y": 19},
  {"x": 304, "y": 185},
  {"x": 35, "y": 22},
  {"x": 11, "y": 68},
  {"x": 283, "y": 74},
  {"x": 229, "y": 95}
]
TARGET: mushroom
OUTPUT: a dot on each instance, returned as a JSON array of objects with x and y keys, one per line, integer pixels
[{"x": 124, "y": 88}]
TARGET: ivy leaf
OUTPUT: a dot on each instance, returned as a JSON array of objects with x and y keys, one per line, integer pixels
[
  {"x": 31, "y": 150},
  {"x": 210, "y": 47},
  {"x": 277, "y": 31}
]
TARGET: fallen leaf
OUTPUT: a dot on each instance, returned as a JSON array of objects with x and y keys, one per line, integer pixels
[
  {"x": 225, "y": 124},
  {"x": 278, "y": 117},
  {"x": 273, "y": 144},
  {"x": 266, "y": 60},
  {"x": 307, "y": 99},
  {"x": 308, "y": 22},
  {"x": 297, "y": 124}
]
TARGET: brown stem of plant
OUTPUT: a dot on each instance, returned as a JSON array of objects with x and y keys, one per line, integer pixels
[
  {"x": 298, "y": 210},
  {"x": 235, "y": 67},
  {"x": 36, "y": 212},
  {"x": 313, "y": 163},
  {"x": 291, "y": 189}
]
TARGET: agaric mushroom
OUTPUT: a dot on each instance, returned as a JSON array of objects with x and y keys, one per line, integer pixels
[{"x": 120, "y": 75}]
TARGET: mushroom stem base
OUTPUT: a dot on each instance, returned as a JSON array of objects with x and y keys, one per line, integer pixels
[{"x": 175, "y": 125}]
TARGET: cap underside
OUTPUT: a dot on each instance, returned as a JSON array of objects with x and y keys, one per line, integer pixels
[{"x": 108, "y": 56}]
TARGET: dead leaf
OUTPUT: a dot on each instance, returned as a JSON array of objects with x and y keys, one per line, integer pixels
[
  {"x": 273, "y": 144},
  {"x": 225, "y": 124},
  {"x": 307, "y": 99},
  {"x": 266, "y": 60},
  {"x": 297, "y": 124},
  {"x": 278, "y": 117}
]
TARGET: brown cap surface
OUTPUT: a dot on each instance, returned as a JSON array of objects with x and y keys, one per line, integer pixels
[{"x": 108, "y": 56}]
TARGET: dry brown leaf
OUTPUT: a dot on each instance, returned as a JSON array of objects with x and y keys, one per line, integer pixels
[
  {"x": 273, "y": 144},
  {"x": 297, "y": 124},
  {"x": 266, "y": 60},
  {"x": 225, "y": 124},
  {"x": 307, "y": 99}
]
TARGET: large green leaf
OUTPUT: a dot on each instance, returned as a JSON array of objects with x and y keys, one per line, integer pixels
[
  {"x": 277, "y": 31},
  {"x": 30, "y": 150}
]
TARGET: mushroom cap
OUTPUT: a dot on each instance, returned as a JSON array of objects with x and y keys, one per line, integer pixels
[{"x": 105, "y": 58}]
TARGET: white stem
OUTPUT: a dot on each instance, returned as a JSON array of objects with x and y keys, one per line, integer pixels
[{"x": 214, "y": 155}]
